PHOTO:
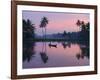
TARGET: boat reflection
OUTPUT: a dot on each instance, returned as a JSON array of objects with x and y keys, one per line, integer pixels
[{"x": 55, "y": 54}]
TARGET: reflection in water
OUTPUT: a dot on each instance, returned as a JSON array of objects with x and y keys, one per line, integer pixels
[
  {"x": 55, "y": 54},
  {"x": 44, "y": 57},
  {"x": 64, "y": 44},
  {"x": 84, "y": 53},
  {"x": 52, "y": 45},
  {"x": 28, "y": 52},
  {"x": 43, "y": 54}
]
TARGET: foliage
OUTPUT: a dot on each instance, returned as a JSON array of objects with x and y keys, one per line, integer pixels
[
  {"x": 28, "y": 30},
  {"x": 43, "y": 24},
  {"x": 84, "y": 33},
  {"x": 28, "y": 36}
]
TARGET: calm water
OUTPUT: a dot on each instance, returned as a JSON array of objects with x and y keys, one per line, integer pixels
[{"x": 55, "y": 54}]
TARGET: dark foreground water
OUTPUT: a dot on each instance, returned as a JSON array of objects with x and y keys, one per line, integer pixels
[{"x": 55, "y": 54}]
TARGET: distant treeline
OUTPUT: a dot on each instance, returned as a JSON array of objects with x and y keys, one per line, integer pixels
[{"x": 29, "y": 32}]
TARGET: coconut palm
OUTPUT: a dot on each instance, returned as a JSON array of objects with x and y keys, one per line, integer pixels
[
  {"x": 78, "y": 23},
  {"x": 28, "y": 36},
  {"x": 88, "y": 26},
  {"x": 84, "y": 32},
  {"x": 28, "y": 32},
  {"x": 43, "y": 24},
  {"x": 83, "y": 26}
]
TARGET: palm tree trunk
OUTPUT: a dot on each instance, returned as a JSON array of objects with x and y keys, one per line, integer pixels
[
  {"x": 45, "y": 32},
  {"x": 42, "y": 34}
]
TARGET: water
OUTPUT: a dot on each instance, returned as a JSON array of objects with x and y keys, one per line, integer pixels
[{"x": 55, "y": 54}]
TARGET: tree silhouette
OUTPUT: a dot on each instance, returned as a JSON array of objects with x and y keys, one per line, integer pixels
[
  {"x": 88, "y": 26},
  {"x": 44, "y": 22},
  {"x": 28, "y": 36},
  {"x": 84, "y": 32},
  {"x": 78, "y": 23},
  {"x": 64, "y": 33},
  {"x": 83, "y": 26},
  {"x": 28, "y": 30}
]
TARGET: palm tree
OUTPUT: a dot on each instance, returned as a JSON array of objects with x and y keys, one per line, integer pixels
[
  {"x": 78, "y": 23},
  {"x": 88, "y": 26},
  {"x": 43, "y": 24},
  {"x": 28, "y": 36},
  {"x": 30, "y": 29},
  {"x": 83, "y": 26},
  {"x": 84, "y": 32},
  {"x": 28, "y": 32}
]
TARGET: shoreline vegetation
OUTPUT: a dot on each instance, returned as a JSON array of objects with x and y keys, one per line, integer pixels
[
  {"x": 29, "y": 35},
  {"x": 65, "y": 39},
  {"x": 57, "y": 40}
]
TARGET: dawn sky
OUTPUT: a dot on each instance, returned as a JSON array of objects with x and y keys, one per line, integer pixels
[{"x": 58, "y": 22}]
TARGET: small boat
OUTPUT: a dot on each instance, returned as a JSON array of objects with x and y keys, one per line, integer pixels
[{"x": 52, "y": 45}]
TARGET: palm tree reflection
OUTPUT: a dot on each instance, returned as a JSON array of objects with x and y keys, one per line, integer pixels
[
  {"x": 84, "y": 53},
  {"x": 44, "y": 57},
  {"x": 43, "y": 54}
]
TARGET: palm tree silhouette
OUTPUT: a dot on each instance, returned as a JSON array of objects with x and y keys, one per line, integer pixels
[
  {"x": 84, "y": 26},
  {"x": 28, "y": 30},
  {"x": 88, "y": 26},
  {"x": 78, "y": 23},
  {"x": 28, "y": 36},
  {"x": 43, "y": 53},
  {"x": 43, "y": 24}
]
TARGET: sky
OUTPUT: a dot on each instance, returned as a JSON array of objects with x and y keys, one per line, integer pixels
[{"x": 58, "y": 21}]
